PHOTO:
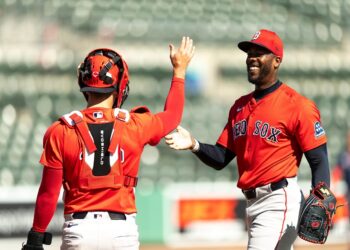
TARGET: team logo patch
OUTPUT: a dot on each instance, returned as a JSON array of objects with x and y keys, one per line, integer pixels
[
  {"x": 256, "y": 35},
  {"x": 319, "y": 131}
]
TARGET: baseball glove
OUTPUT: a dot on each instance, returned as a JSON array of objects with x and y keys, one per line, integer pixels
[{"x": 317, "y": 214}]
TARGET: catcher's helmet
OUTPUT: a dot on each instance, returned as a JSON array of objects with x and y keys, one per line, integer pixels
[{"x": 104, "y": 71}]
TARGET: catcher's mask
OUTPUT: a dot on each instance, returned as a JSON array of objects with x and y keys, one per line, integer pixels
[{"x": 104, "y": 71}]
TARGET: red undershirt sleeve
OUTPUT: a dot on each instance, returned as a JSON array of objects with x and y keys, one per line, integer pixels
[
  {"x": 174, "y": 106},
  {"x": 47, "y": 198}
]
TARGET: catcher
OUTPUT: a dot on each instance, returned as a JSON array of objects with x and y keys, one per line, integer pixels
[
  {"x": 268, "y": 131},
  {"x": 96, "y": 152}
]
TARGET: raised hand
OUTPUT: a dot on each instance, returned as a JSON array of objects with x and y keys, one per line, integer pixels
[
  {"x": 181, "y": 139},
  {"x": 181, "y": 57}
]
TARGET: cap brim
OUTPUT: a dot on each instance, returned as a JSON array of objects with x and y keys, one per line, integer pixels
[
  {"x": 97, "y": 90},
  {"x": 245, "y": 45}
]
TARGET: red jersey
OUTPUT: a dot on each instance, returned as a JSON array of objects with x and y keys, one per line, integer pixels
[
  {"x": 269, "y": 136},
  {"x": 64, "y": 149}
]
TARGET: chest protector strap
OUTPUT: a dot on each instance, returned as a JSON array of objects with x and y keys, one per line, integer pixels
[
  {"x": 121, "y": 115},
  {"x": 84, "y": 132}
]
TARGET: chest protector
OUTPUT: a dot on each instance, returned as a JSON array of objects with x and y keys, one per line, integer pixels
[{"x": 101, "y": 161}]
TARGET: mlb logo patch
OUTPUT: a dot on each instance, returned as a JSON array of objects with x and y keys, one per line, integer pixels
[
  {"x": 97, "y": 216},
  {"x": 98, "y": 115},
  {"x": 319, "y": 131}
]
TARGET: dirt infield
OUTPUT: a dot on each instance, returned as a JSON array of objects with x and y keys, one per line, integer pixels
[{"x": 16, "y": 243}]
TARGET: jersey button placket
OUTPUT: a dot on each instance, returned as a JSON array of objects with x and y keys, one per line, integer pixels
[
  {"x": 250, "y": 129},
  {"x": 248, "y": 137}
]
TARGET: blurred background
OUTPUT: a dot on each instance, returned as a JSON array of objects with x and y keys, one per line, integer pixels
[{"x": 42, "y": 42}]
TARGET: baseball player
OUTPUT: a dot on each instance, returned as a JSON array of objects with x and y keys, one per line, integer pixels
[
  {"x": 96, "y": 152},
  {"x": 268, "y": 131}
]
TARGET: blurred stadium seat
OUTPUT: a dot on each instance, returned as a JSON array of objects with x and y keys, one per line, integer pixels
[{"x": 43, "y": 41}]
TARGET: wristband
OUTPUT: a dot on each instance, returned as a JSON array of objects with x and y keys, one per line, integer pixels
[{"x": 196, "y": 146}]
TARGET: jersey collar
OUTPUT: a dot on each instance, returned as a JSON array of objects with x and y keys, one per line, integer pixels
[{"x": 259, "y": 94}]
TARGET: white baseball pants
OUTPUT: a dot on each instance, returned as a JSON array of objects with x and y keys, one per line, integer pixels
[
  {"x": 98, "y": 231},
  {"x": 272, "y": 217}
]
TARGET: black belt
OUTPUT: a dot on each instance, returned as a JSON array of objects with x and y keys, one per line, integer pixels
[
  {"x": 251, "y": 193},
  {"x": 112, "y": 215}
]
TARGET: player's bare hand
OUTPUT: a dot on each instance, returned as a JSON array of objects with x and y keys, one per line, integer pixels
[
  {"x": 181, "y": 57},
  {"x": 181, "y": 139}
]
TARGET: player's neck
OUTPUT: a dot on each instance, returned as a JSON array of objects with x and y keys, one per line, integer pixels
[
  {"x": 266, "y": 84},
  {"x": 97, "y": 102}
]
